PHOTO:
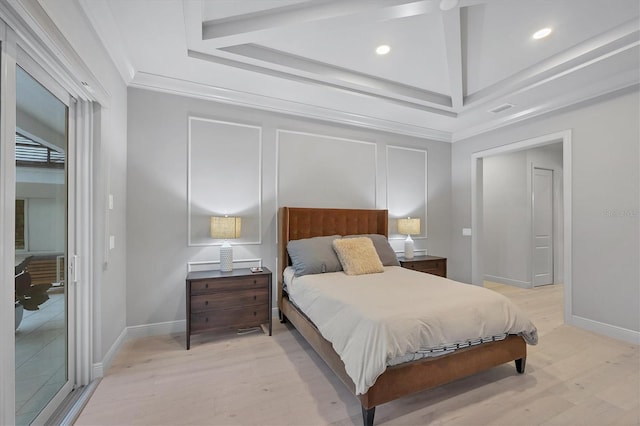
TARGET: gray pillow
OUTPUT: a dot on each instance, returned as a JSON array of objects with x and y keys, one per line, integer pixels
[
  {"x": 314, "y": 255},
  {"x": 385, "y": 252}
]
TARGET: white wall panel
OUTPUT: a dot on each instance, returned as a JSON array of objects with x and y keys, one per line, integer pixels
[
  {"x": 224, "y": 177},
  {"x": 309, "y": 164},
  {"x": 406, "y": 187},
  {"x": 324, "y": 171}
]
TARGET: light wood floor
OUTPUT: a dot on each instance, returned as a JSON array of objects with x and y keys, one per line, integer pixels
[{"x": 573, "y": 377}]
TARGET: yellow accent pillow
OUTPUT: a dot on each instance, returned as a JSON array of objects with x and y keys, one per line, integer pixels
[{"x": 357, "y": 255}]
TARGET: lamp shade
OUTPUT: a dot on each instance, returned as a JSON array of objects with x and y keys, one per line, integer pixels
[
  {"x": 225, "y": 228},
  {"x": 409, "y": 226}
]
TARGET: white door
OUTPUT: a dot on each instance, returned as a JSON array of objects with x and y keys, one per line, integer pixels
[{"x": 542, "y": 226}]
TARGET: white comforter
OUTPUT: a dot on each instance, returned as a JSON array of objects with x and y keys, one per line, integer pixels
[{"x": 373, "y": 318}]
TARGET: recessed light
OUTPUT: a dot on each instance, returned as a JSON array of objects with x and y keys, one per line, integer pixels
[
  {"x": 541, "y": 33},
  {"x": 383, "y": 49}
]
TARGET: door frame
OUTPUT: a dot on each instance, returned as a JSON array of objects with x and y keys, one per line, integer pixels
[
  {"x": 16, "y": 33},
  {"x": 7, "y": 222},
  {"x": 31, "y": 67},
  {"x": 477, "y": 267}
]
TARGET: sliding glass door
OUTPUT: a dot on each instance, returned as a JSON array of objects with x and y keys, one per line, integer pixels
[
  {"x": 41, "y": 247},
  {"x": 46, "y": 135}
]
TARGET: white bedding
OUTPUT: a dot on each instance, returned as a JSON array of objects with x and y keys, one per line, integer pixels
[{"x": 371, "y": 319}]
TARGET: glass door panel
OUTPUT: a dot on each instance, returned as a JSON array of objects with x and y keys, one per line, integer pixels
[{"x": 41, "y": 336}]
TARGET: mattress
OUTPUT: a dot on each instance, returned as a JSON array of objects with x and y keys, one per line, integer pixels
[
  {"x": 289, "y": 275},
  {"x": 400, "y": 315}
]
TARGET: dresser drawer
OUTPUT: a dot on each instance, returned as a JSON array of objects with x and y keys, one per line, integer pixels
[
  {"x": 416, "y": 266},
  {"x": 430, "y": 264},
  {"x": 230, "y": 299},
  {"x": 426, "y": 265},
  {"x": 229, "y": 283},
  {"x": 219, "y": 301},
  {"x": 233, "y": 318}
]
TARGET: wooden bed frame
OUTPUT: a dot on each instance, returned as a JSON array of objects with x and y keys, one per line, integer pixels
[{"x": 400, "y": 380}]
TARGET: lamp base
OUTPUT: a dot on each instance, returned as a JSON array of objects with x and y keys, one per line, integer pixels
[
  {"x": 408, "y": 248},
  {"x": 226, "y": 257}
]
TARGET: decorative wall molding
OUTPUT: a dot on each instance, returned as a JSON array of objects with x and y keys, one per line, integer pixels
[
  {"x": 222, "y": 180},
  {"x": 203, "y": 265},
  {"x": 393, "y": 214},
  {"x": 331, "y": 168}
]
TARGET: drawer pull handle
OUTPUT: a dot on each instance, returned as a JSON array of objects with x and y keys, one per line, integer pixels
[
  {"x": 206, "y": 319},
  {"x": 206, "y": 302},
  {"x": 255, "y": 313},
  {"x": 206, "y": 286},
  {"x": 254, "y": 281},
  {"x": 255, "y": 297}
]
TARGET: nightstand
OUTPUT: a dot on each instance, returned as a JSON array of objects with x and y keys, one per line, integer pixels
[
  {"x": 218, "y": 301},
  {"x": 435, "y": 265}
]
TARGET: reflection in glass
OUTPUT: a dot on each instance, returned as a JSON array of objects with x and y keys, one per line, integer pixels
[{"x": 41, "y": 241}]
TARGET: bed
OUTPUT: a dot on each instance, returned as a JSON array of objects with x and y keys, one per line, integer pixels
[{"x": 397, "y": 380}]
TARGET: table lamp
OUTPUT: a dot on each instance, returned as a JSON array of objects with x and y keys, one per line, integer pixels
[
  {"x": 409, "y": 226},
  {"x": 226, "y": 228}
]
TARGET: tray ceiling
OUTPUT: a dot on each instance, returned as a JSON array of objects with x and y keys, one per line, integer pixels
[{"x": 455, "y": 68}]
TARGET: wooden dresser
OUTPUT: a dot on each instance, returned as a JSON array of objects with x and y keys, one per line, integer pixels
[
  {"x": 218, "y": 301},
  {"x": 435, "y": 265}
]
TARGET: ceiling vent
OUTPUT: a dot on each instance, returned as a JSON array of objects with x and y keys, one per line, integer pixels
[{"x": 501, "y": 108}]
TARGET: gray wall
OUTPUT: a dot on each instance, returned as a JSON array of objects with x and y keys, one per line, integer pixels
[
  {"x": 507, "y": 239},
  {"x": 109, "y": 176},
  {"x": 301, "y": 163},
  {"x": 605, "y": 204},
  {"x": 507, "y": 235}
]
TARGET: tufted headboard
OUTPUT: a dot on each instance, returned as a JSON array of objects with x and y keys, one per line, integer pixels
[{"x": 298, "y": 222}]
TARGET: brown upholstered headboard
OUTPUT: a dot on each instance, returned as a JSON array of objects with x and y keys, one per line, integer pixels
[{"x": 298, "y": 222}]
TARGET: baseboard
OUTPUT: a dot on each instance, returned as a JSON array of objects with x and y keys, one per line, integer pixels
[
  {"x": 135, "y": 332},
  {"x": 99, "y": 368},
  {"x": 609, "y": 330},
  {"x": 508, "y": 281},
  {"x": 156, "y": 329}
]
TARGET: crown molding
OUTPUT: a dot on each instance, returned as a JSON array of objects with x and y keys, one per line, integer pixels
[
  {"x": 193, "y": 89},
  {"x": 578, "y": 57},
  {"x": 552, "y": 106},
  {"x": 108, "y": 34},
  {"x": 40, "y": 38}
]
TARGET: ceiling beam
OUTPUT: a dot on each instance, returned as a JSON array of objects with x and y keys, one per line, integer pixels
[
  {"x": 340, "y": 86},
  {"x": 248, "y": 27},
  {"x": 453, "y": 47},
  {"x": 328, "y": 72},
  {"x": 618, "y": 40}
]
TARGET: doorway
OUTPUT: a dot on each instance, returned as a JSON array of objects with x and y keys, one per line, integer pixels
[{"x": 562, "y": 268}]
